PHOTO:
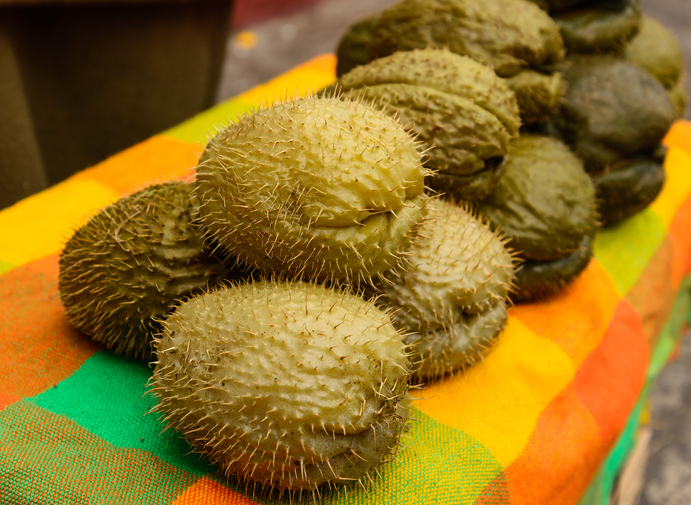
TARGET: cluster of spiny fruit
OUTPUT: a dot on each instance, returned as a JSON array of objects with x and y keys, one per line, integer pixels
[
  {"x": 570, "y": 87},
  {"x": 335, "y": 249}
]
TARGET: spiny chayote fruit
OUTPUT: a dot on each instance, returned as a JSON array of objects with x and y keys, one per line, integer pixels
[
  {"x": 539, "y": 279},
  {"x": 611, "y": 111},
  {"x": 627, "y": 187},
  {"x": 130, "y": 264},
  {"x": 657, "y": 51},
  {"x": 510, "y": 36},
  {"x": 354, "y": 47},
  {"x": 316, "y": 187},
  {"x": 545, "y": 203},
  {"x": 559, "y": 5},
  {"x": 601, "y": 27},
  {"x": 288, "y": 386},
  {"x": 452, "y": 298},
  {"x": 451, "y": 102},
  {"x": 507, "y": 35},
  {"x": 537, "y": 93}
]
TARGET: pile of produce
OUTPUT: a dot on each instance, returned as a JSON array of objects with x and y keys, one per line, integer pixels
[
  {"x": 335, "y": 250},
  {"x": 256, "y": 294}
]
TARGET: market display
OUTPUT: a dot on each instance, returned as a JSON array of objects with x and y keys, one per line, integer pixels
[{"x": 337, "y": 249}]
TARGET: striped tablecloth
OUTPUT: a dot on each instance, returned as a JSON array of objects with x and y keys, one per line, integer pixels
[{"x": 547, "y": 418}]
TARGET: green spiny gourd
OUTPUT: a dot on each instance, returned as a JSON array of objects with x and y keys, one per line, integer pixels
[
  {"x": 130, "y": 264},
  {"x": 353, "y": 47},
  {"x": 614, "y": 116},
  {"x": 612, "y": 111},
  {"x": 560, "y": 5},
  {"x": 599, "y": 27},
  {"x": 507, "y": 35},
  {"x": 287, "y": 385},
  {"x": 544, "y": 205},
  {"x": 537, "y": 93},
  {"x": 451, "y": 102},
  {"x": 657, "y": 51},
  {"x": 628, "y": 187},
  {"x": 539, "y": 279},
  {"x": 320, "y": 188},
  {"x": 453, "y": 296},
  {"x": 510, "y": 36}
]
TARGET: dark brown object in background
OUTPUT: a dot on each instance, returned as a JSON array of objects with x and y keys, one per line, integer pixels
[{"x": 82, "y": 81}]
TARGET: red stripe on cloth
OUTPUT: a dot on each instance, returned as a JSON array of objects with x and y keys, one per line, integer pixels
[
  {"x": 562, "y": 452},
  {"x": 610, "y": 381},
  {"x": 580, "y": 426},
  {"x": 45, "y": 349}
]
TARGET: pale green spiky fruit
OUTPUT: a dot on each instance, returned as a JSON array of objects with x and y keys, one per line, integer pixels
[
  {"x": 601, "y": 27},
  {"x": 131, "y": 262},
  {"x": 545, "y": 203},
  {"x": 317, "y": 187},
  {"x": 289, "y": 386},
  {"x": 353, "y": 48},
  {"x": 507, "y": 35},
  {"x": 451, "y": 102},
  {"x": 657, "y": 50},
  {"x": 453, "y": 296},
  {"x": 537, "y": 93}
]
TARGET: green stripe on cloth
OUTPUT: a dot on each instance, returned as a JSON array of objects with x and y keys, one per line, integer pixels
[
  {"x": 106, "y": 396},
  {"x": 430, "y": 469},
  {"x": 46, "y": 459},
  {"x": 625, "y": 250},
  {"x": 199, "y": 129}
]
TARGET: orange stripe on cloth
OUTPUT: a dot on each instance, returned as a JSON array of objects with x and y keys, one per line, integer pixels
[
  {"x": 6, "y": 400},
  {"x": 45, "y": 348},
  {"x": 610, "y": 381},
  {"x": 577, "y": 318},
  {"x": 153, "y": 161},
  {"x": 499, "y": 400},
  {"x": 206, "y": 491},
  {"x": 681, "y": 244},
  {"x": 679, "y": 135}
]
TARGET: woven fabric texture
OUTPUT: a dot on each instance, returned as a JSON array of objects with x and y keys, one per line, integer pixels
[{"x": 546, "y": 419}]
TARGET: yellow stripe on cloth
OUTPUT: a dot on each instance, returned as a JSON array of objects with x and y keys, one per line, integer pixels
[
  {"x": 304, "y": 80},
  {"x": 41, "y": 224},
  {"x": 153, "y": 161},
  {"x": 499, "y": 400},
  {"x": 677, "y": 186}
]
